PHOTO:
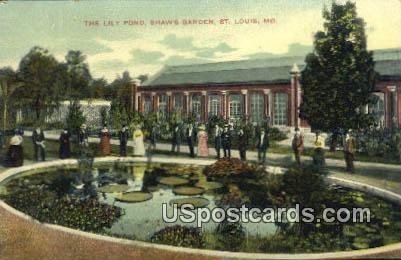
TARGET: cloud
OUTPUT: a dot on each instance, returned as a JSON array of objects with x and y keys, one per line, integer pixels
[
  {"x": 114, "y": 64},
  {"x": 261, "y": 55},
  {"x": 297, "y": 49},
  {"x": 294, "y": 49},
  {"x": 178, "y": 43},
  {"x": 146, "y": 57},
  {"x": 211, "y": 52}
]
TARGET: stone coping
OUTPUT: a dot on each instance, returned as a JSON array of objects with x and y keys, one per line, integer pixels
[{"x": 389, "y": 250}]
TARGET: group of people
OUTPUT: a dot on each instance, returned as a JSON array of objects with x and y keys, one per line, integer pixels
[
  {"x": 318, "y": 157},
  {"x": 223, "y": 139},
  {"x": 194, "y": 136}
]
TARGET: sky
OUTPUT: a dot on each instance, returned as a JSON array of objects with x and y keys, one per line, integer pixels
[{"x": 60, "y": 26}]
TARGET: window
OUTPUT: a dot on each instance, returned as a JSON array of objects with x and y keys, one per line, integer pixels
[
  {"x": 178, "y": 101},
  {"x": 257, "y": 107},
  {"x": 280, "y": 109},
  {"x": 196, "y": 105},
  {"x": 163, "y": 105},
  {"x": 377, "y": 108},
  {"x": 235, "y": 106},
  {"x": 147, "y": 106},
  {"x": 214, "y": 105}
]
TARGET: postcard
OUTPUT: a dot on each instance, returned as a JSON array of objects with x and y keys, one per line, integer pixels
[{"x": 172, "y": 129}]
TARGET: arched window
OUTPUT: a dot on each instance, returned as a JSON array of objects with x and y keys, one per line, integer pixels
[
  {"x": 257, "y": 107},
  {"x": 147, "y": 106},
  {"x": 163, "y": 105},
  {"x": 214, "y": 105},
  {"x": 196, "y": 108},
  {"x": 280, "y": 109},
  {"x": 377, "y": 108},
  {"x": 178, "y": 102},
  {"x": 235, "y": 106}
]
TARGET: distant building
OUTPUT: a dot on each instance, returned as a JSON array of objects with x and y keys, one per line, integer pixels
[{"x": 258, "y": 89}]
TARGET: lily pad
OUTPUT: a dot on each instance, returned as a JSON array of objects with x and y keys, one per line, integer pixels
[
  {"x": 360, "y": 245},
  {"x": 210, "y": 185},
  {"x": 113, "y": 188},
  {"x": 187, "y": 190},
  {"x": 197, "y": 202},
  {"x": 173, "y": 181},
  {"x": 134, "y": 196}
]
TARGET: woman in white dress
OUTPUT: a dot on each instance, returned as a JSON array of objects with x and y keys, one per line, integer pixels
[{"x": 139, "y": 147}]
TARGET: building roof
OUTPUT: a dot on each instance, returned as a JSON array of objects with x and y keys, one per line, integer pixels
[{"x": 256, "y": 71}]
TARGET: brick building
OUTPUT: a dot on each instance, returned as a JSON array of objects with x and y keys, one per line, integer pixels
[{"x": 257, "y": 89}]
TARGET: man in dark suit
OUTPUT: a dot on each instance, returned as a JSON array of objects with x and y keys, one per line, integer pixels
[
  {"x": 226, "y": 142},
  {"x": 176, "y": 139},
  {"x": 217, "y": 140},
  {"x": 262, "y": 144},
  {"x": 123, "y": 141},
  {"x": 191, "y": 139},
  {"x": 38, "y": 139},
  {"x": 242, "y": 144}
]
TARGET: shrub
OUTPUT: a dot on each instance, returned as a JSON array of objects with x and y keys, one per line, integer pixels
[
  {"x": 179, "y": 236},
  {"x": 230, "y": 167}
]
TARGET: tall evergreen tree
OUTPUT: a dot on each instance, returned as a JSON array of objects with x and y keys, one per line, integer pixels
[{"x": 339, "y": 75}]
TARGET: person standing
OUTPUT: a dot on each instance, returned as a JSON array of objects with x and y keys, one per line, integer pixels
[
  {"x": 139, "y": 147},
  {"x": 15, "y": 154},
  {"x": 123, "y": 137},
  {"x": 176, "y": 139},
  {"x": 298, "y": 145},
  {"x": 203, "y": 149},
  {"x": 349, "y": 152},
  {"x": 191, "y": 139},
  {"x": 262, "y": 145},
  {"x": 38, "y": 139},
  {"x": 217, "y": 140},
  {"x": 105, "y": 147},
  {"x": 226, "y": 142},
  {"x": 242, "y": 144},
  {"x": 65, "y": 149},
  {"x": 153, "y": 137},
  {"x": 318, "y": 155},
  {"x": 83, "y": 140}
]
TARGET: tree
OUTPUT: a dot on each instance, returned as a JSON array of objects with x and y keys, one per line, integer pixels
[
  {"x": 75, "y": 117},
  {"x": 121, "y": 98},
  {"x": 9, "y": 83},
  {"x": 99, "y": 89},
  {"x": 339, "y": 75},
  {"x": 43, "y": 78},
  {"x": 78, "y": 75}
]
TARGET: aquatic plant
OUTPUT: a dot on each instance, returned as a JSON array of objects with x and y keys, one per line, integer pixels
[
  {"x": 173, "y": 181},
  {"x": 134, "y": 196},
  {"x": 188, "y": 190},
  {"x": 197, "y": 202},
  {"x": 231, "y": 167},
  {"x": 179, "y": 236}
]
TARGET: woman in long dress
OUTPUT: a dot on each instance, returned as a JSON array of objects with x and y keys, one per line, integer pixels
[
  {"x": 203, "y": 150},
  {"x": 15, "y": 155},
  {"x": 105, "y": 147},
  {"x": 139, "y": 147},
  {"x": 65, "y": 149}
]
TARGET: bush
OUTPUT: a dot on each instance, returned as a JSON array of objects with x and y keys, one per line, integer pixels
[
  {"x": 230, "y": 167},
  {"x": 179, "y": 236}
]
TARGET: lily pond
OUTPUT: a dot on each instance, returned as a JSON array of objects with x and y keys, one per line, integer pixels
[{"x": 125, "y": 200}]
